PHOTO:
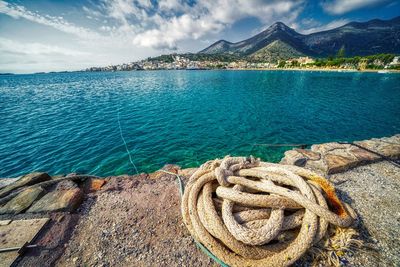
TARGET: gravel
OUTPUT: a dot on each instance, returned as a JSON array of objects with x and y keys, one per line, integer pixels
[
  {"x": 373, "y": 191},
  {"x": 133, "y": 222}
]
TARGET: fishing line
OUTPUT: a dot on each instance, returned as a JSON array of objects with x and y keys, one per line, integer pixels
[{"x": 126, "y": 146}]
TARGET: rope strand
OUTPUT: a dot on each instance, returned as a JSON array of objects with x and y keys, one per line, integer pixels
[{"x": 126, "y": 146}]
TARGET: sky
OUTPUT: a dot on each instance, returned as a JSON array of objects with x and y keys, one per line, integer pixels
[{"x": 44, "y": 35}]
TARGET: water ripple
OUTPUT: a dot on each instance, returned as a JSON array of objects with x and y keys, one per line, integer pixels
[{"x": 67, "y": 122}]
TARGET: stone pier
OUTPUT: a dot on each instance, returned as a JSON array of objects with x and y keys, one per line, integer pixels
[{"x": 135, "y": 220}]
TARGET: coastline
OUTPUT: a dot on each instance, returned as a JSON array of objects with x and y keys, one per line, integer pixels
[
  {"x": 320, "y": 70},
  {"x": 382, "y": 71}
]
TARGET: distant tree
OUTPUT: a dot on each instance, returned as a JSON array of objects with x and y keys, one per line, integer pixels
[
  {"x": 341, "y": 53},
  {"x": 320, "y": 63},
  {"x": 281, "y": 64}
]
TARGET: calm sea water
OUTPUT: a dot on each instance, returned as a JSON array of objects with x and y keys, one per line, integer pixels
[{"x": 68, "y": 122}]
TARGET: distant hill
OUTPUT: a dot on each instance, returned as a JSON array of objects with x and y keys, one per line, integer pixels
[
  {"x": 280, "y": 41},
  {"x": 274, "y": 51}
]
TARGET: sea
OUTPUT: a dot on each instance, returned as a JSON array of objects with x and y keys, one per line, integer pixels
[{"x": 113, "y": 123}]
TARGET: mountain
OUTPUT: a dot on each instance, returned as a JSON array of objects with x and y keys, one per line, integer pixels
[
  {"x": 358, "y": 38},
  {"x": 278, "y": 31},
  {"x": 371, "y": 37},
  {"x": 277, "y": 50}
]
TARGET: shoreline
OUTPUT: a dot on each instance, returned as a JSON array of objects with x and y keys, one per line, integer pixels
[
  {"x": 382, "y": 71},
  {"x": 318, "y": 70}
]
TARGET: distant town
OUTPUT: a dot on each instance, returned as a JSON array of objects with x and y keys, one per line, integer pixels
[{"x": 186, "y": 62}]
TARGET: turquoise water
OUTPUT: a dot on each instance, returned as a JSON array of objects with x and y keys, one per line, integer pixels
[{"x": 68, "y": 122}]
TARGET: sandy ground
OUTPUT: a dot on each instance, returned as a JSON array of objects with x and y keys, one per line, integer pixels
[{"x": 136, "y": 221}]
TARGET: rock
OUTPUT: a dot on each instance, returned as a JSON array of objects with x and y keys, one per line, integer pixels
[
  {"x": 292, "y": 156},
  {"x": 319, "y": 166},
  {"x": 169, "y": 168},
  {"x": 300, "y": 162},
  {"x": 338, "y": 159},
  {"x": 6, "y": 181},
  {"x": 363, "y": 155},
  {"x": 29, "y": 179},
  {"x": 389, "y": 147},
  {"x": 67, "y": 196},
  {"x": 335, "y": 157},
  {"x": 311, "y": 155},
  {"x": 91, "y": 185},
  {"x": 22, "y": 201},
  {"x": 58, "y": 176},
  {"x": 299, "y": 157},
  {"x": 5, "y": 222},
  {"x": 338, "y": 163},
  {"x": 325, "y": 148},
  {"x": 306, "y": 158},
  {"x": 65, "y": 185}
]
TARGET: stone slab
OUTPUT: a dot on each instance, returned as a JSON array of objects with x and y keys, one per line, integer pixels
[
  {"x": 336, "y": 157},
  {"x": 16, "y": 234},
  {"x": 58, "y": 200},
  {"x": 6, "y": 181},
  {"x": 22, "y": 201},
  {"x": 29, "y": 179}
]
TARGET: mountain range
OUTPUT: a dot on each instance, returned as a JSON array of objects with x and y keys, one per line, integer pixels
[{"x": 281, "y": 42}]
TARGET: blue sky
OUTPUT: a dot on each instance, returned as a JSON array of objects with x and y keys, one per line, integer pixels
[{"x": 41, "y": 35}]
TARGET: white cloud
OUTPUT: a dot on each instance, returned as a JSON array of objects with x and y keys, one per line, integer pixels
[
  {"x": 172, "y": 6},
  {"x": 165, "y": 24},
  {"x": 310, "y": 26},
  {"x": 176, "y": 29},
  {"x": 33, "y": 57},
  {"x": 109, "y": 44},
  {"x": 338, "y": 7},
  {"x": 8, "y": 46},
  {"x": 17, "y": 11}
]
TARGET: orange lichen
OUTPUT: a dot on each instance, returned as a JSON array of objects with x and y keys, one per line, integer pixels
[
  {"x": 94, "y": 184},
  {"x": 331, "y": 196}
]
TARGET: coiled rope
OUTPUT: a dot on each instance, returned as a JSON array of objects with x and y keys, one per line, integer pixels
[{"x": 251, "y": 213}]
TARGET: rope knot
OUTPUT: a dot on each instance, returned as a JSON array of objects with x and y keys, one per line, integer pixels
[
  {"x": 221, "y": 175},
  {"x": 229, "y": 165}
]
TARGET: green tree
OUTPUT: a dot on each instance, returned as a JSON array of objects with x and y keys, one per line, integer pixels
[
  {"x": 281, "y": 64},
  {"x": 341, "y": 53}
]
